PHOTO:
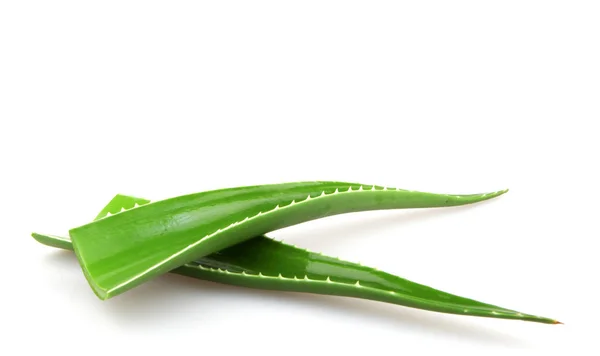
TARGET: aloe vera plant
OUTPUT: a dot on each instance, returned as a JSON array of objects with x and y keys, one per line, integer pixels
[{"x": 261, "y": 262}]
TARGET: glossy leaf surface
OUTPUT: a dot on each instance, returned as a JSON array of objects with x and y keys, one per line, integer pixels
[
  {"x": 263, "y": 263},
  {"x": 121, "y": 251}
]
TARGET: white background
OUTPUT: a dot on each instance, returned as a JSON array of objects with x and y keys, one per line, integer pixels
[{"x": 161, "y": 98}]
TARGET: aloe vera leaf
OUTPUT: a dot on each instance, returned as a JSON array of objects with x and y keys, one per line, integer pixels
[
  {"x": 258, "y": 262},
  {"x": 263, "y": 263},
  {"x": 123, "y": 250}
]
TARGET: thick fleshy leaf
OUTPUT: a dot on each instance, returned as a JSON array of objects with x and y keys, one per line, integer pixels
[{"x": 121, "y": 251}]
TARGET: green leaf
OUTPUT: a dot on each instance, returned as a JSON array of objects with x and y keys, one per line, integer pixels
[{"x": 124, "y": 250}]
